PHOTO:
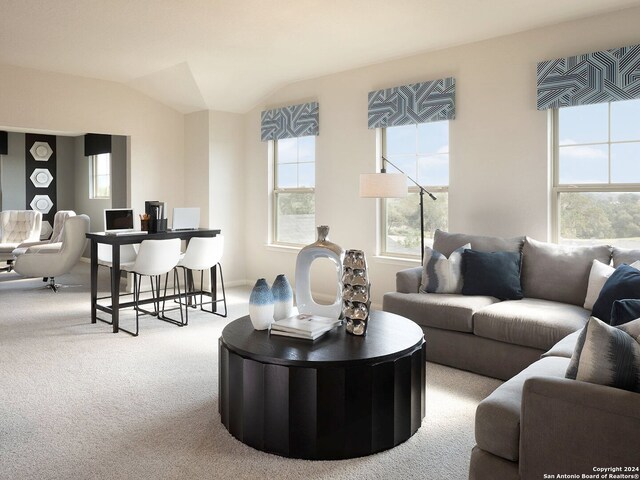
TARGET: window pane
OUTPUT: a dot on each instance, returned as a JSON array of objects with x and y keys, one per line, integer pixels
[
  {"x": 625, "y": 163},
  {"x": 625, "y": 120},
  {"x": 307, "y": 149},
  {"x": 103, "y": 164},
  {"x": 306, "y": 175},
  {"x": 287, "y": 176},
  {"x": 401, "y": 140},
  {"x": 433, "y": 170},
  {"x": 102, "y": 186},
  {"x": 295, "y": 218},
  {"x": 403, "y": 222},
  {"x": 406, "y": 163},
  {"x": 601, "y": 217},
  {"x": 433, "y": 137},
  {"x": 287, "y": 150},
  {"x": 584, "y": 164},
  {"x": 584, "y": 124}
]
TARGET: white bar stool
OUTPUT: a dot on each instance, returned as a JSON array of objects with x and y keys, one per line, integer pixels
[
  {"x": 154, "y": 258},
  {"x": 202, "y": 254}
]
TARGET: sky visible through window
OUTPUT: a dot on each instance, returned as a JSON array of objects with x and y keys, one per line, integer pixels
[{"x": 584, "y": 133}]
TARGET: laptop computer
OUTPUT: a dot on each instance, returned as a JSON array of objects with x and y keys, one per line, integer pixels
[
  {"x": 186, "y": 218},
  {"x": 119, "y": 221}
]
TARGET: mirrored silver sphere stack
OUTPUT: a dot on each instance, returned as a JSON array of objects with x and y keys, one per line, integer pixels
[{"x": 355, "y": 292}]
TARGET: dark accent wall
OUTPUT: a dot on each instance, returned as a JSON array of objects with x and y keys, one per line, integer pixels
[{"x": 49, "y": 164}]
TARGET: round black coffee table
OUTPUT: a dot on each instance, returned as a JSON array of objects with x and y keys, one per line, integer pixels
[{"x": 340, "y": 396}]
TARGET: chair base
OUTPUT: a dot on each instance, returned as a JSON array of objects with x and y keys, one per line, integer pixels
[
  {"x": 190, "y": 298},
  {"x": 53, "y": 286}
]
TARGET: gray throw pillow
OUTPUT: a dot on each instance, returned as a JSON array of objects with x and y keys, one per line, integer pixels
[
  {"x": 441, "y": 274},
  {"x": 559, "y": 273},
  {"x": 607, "y": 355},
  {"x": 446, "y": 243}
]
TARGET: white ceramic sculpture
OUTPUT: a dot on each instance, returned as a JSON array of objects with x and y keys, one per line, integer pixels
[{"x": 321, "y": 248}]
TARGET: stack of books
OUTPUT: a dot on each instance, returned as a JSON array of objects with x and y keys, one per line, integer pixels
[{"x": 304, "y": 326}]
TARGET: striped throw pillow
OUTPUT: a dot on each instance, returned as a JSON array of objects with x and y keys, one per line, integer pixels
[
  {"x": 608, "y": 355},
  {"x": 441, "y": 274}
]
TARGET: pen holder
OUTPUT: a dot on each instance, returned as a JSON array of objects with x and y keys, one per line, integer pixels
[{"x": 144, "y": 225}]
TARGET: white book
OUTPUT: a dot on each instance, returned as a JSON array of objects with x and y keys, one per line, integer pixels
[
  {"x": 310, "y": 325},
  {"x": 304, "y": 336}
]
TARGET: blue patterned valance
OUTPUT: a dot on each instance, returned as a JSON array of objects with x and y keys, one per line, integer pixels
[
  {"x": 416, "y": 103},
  {"x": 597, "y": 77},
  {"x": 289, "y": 122}
]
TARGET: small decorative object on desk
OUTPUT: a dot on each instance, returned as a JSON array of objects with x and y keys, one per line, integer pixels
[
  {"x": 321, "y": 248},
  {"x": 261, "y": 305},
  {"x": 356, "y": 290},
  {"x": 283, "y": 298},
  {"x": 304, "y": 326}
]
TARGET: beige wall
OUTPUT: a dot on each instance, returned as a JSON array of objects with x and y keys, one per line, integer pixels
[
  {"x": 33, "y": 99},
  {"x": 499, "y": 174}
]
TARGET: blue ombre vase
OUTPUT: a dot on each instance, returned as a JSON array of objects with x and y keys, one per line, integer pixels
[
  {"x": 261, "y": 305},
  {"x": 282, "y": 297}
]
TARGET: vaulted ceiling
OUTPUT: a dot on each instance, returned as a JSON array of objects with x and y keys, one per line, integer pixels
[{"x": 230, "y": 54}]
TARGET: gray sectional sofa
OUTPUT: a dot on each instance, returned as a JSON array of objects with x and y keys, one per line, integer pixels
[{"x": 537, "y": 422}]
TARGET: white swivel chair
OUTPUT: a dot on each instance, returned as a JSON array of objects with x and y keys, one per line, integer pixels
[
  {"x": 202, "y": 254},
  {"x": 16, "y": 227},
  {"x": 55, "y": 242},
  {"x": 51, "y": 263},
  {"x": 154, "y": 259}
]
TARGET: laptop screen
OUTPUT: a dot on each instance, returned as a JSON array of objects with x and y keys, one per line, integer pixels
[
  {"x": 186, "y": 218},
  {"x": 118, "y": 219}
]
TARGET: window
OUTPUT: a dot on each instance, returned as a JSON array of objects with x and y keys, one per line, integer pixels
[
  {"x": 100, "y": 176},
  {"x": 596, "y": 188},
  {"x": 422, "y": 152},
  {"x": 294, "y": 190}
]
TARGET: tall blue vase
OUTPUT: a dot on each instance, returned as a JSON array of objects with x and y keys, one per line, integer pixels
[
  {"x": 283, "y": 298},
  {"x": 261, "y": 305}
]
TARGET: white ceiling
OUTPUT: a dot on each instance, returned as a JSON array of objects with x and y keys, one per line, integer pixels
[{"x": 230, "y": 54}]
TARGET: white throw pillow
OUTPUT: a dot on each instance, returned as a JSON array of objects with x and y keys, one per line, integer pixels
[
  {"x": 441, "y": 274},
  {"x": 597, "y": 278}
]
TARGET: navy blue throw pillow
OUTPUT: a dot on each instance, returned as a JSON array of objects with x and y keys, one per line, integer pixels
[
  {"x": 623, "y": 311},
  {"x": 496, "y": 274},
  {"x": 624, "y": 283}
]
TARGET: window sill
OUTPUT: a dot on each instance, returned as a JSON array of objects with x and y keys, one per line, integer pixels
[
  {"x": 274, "y": 247},
  {"x": 408, "y": 262}
]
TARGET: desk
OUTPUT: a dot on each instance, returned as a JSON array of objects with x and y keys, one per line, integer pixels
[{"x": 115, "y": 241}]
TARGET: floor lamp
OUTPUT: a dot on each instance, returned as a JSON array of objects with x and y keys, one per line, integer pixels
[{"x": 392, "y": 185}]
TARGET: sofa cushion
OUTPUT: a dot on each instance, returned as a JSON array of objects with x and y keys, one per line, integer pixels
[
  {"x": 442, "y": 274},
  {"x": 565, "y": 347},
  {"x": 496, "y": 274},
  {"x": 624, "y": 283},
  {"x": 438, "y": 310},
  {"x": 607, "y": 355},
  {"x": 559, "y": 273},
  {"x": 625, "y": 255},
  {"x": 445, "y": 242},
  {"x": 531, "y": 322},
  {"x": 597, "y": 278},
  {"x": 498, "y": 415}
]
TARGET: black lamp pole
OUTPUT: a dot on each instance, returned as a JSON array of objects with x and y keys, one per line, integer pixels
[{"x": 422, "y": 191}]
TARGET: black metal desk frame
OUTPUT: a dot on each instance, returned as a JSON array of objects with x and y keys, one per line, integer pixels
[{"x": 116, "y": 241}]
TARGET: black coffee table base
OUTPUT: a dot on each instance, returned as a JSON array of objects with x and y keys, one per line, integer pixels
[{"x": 324, "y": 413}]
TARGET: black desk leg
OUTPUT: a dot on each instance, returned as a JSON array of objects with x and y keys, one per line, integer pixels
[
  {"x": 214, "y": 288},
  {"x": 115, "y": 287},
  {"x": 94, "y": 279}
]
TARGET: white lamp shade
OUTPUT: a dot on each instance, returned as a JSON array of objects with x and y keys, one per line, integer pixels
[{"x": 383, "y": 185}]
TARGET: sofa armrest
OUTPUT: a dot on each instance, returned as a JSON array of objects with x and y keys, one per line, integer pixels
[
  {"x": 408, "y": 281},
  {"x": 573, "y": 427}
]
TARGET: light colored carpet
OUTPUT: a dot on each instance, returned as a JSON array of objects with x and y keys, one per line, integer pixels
[{"x": 78, "y": 402}]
